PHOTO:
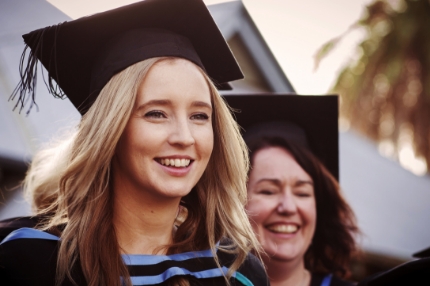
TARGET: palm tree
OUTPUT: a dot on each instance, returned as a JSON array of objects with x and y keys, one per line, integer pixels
[{"x": 385, "y": 94}]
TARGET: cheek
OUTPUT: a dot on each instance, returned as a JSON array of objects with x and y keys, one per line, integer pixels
[
  {"x": 205, "y": 140},
  {"x": 313, "y": 219},
  {"x": 130, "y": 136},
  {"x": 144, "y": 138},
  {"x": 258, "y": 210},
  {"x": 310, "y": 215}
]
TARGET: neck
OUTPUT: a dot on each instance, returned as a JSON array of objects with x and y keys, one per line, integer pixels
[
  {"x": 287, "y": 273},
  {"x": 143, "y": 224}
]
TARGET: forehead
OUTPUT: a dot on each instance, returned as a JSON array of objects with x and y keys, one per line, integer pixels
[
  {"x": 277, "y": 163},
  {"x": 174, "y": 76}
]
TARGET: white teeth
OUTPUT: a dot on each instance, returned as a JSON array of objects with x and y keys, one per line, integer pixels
[
  {"x": 175, "y": 162},
  {"x": 283, "y": 228}
]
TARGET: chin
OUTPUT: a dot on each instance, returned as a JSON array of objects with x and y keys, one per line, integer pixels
[
  {"x": 286, "y": 257},
  {"x": 285, "y": 254},
  {"x": 175, "y": 192}
]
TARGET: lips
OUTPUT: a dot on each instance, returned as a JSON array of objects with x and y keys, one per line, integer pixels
[{"x": 283, "y": 228}]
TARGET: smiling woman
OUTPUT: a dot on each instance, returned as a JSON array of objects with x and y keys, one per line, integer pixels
[
  {"x": 155, "y": 138},
  {"x": 295, "y": 205},
  {"x": 301, "y": 221},
  {"x": 171, "y": 123},
  {"x": 281, "y": 204}
]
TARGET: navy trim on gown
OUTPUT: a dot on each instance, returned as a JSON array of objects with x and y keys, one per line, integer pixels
[{"x": 28, "y": 257}]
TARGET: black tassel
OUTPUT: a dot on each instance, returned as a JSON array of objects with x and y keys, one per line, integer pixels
[
  {"x": 26, "y": 88},
  {"x": 53, "y": 86}
]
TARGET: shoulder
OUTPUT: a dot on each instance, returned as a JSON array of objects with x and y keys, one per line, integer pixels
[
  {"x": 336, "y": 281},
  {"x": 253, "y": 269},
  {"x": 251, "y": 272},
  {"x": 27, "y": 257},
  {"x": 11, "y": 224},
  {"x": 416, "y": 272},
  {"x": 328, "y": 280}
]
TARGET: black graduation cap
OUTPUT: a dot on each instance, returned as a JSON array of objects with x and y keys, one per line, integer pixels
[
  {"x": 82, "y": 55},
  {"x": 306, "y": 120},
  {"x": 423, "y": 253},
  {"x": 416, "y": 272}
]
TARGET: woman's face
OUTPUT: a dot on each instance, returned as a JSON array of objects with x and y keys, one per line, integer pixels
[
  {"x": 281, "y": 204},
  {"x": 168, "y": 140}
]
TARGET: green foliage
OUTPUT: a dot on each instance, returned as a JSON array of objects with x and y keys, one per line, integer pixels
[{"x": 385, "y": 94}]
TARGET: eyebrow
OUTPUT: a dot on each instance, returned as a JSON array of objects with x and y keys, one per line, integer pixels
[
  {"x": 165, "y": 102},
  {"x": 278, "y": 182},
  {"x": 304, "y": 182},
  {"x": 201, "y": 104},
  {"x": 154, "y": 102},
  {"x": 274, "y": 181}
]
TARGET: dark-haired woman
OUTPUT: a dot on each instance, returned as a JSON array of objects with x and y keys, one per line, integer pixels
[{"x": 304, "y": 225}]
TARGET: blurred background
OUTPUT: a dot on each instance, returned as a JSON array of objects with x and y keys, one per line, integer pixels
[{"x": 374, "y": 54}]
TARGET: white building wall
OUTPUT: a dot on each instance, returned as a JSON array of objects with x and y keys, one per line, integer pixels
[{"x": 392, "y": 205}]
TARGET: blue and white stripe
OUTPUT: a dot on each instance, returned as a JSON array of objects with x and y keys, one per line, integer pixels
[{"x": 142, "y": 260}]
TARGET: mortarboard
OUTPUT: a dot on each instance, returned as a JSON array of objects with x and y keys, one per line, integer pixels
[
  {"x": 422, "y": 254},
  {"x": 310, "y": 121},
  {"x": 415, "y": 272},
  {"x": 82, "y": 55}
]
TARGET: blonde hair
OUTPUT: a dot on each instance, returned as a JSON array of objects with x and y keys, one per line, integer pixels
[
  {"x": 41, "y": 183},
  {"x": 215, "y": 206}
]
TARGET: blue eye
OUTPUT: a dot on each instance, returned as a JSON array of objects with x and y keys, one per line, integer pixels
[
  {"x": 155, "y": 114},
  {"x": 200, "y": 116}
]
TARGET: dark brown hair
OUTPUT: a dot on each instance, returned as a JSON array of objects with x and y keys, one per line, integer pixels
[{"x": 333, "y": 243}]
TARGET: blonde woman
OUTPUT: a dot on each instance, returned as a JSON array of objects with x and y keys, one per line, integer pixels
[{"x": 155, "y": 135}]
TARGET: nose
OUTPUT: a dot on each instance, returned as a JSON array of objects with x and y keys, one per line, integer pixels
[
  {"x": 181, "y": 133},
  {"x": 287, "y": 204}
]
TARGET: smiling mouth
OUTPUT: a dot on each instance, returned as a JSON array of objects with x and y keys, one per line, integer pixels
[
  {"x": 177, "y": 163},
  {"x": 283, "y": 228}
]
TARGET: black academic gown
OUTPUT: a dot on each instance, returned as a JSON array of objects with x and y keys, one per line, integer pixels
[
  {"x": 415, "y": 273},
  {"x": 328, "y": 280},
  {"x": 29, "y": 256},
  {"x": 11, "y": 224}
]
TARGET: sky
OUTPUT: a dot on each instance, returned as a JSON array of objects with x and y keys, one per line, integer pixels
[{"x": 294, "y": 31}]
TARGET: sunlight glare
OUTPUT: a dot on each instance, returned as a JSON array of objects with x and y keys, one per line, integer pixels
[{"x": 409, "y": 161}]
